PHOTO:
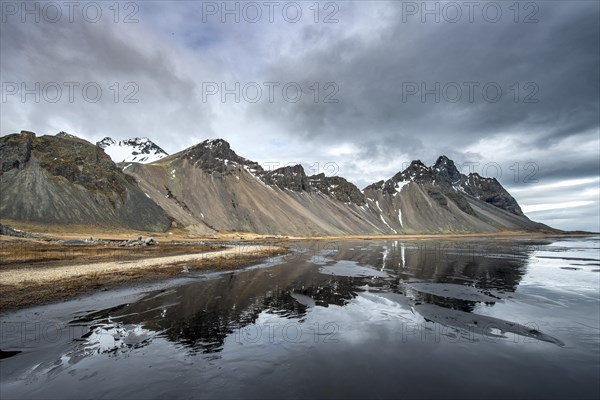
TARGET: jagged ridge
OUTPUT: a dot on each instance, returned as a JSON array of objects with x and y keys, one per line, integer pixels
[
  {"x": 231, "y": 192},
  {"x": 209, "y": 187}
]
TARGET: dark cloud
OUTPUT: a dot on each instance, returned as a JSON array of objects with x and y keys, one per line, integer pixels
[{"x": 559, "y": 56}]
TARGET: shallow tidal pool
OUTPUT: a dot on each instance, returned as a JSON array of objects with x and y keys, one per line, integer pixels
[{"x": 348, "y": 319}]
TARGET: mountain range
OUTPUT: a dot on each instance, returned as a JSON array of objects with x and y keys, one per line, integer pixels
[{"x": 209, "y": 188}]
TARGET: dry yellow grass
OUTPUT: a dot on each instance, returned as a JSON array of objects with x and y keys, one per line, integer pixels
[
  {"x": 45, "y": 279},
  {"x": 24, "y": 275},
  {"x": 18, "y": 252}
]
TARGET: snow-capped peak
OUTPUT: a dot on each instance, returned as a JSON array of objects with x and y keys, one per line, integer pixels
[{"x": 142, "y": 150}]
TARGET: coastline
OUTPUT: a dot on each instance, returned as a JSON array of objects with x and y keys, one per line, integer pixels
[
  {"x": 29, "y": 284},
  {"x": 53, "y": 232},
  {"x": 46, "y": 267}
]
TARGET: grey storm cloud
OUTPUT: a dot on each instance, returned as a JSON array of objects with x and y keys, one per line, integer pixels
[
  {"x": 367, "y": 62},
  {"x": 558, "y": 55}
]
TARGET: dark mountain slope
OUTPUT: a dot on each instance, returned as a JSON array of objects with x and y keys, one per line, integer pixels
[
  {"x": 441, "y": 199},
  {"x": 211, "y": 187},
  {"x": 65, "y": 180}
]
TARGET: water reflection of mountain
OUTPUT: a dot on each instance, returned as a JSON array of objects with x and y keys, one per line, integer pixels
[
  {"x": 201, "y": 315},
  {"x": 498, "y": 266},
  {"x": 494, "y": 269}
]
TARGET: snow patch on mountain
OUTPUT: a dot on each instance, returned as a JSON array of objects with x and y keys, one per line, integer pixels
[
  {"x": 400, "y": 185},
  {"x": 141, "y": 150},
  {"x": 388, "y": 225}
]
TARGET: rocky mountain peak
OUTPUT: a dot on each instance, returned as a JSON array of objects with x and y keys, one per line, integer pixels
[
  {"x": 416, "y": 171},
  {"x": 417, "y": 167},
  {"x": 63, "y": 134},
  {"x": 216, "y": 143},
  {"x": 445, "y": 170},
  {"x": 289, "y": 177},
  {"x": 337, "y": 187},
  {"x": 214, "y": 155},
  {"x": 475, "y": 177},
  {"x": 75, "y": 159},
  {"x": 107, "y": 141},
  {"x": 444, "y": 180},
  {"x": 215, "y": 148},
  {"x": 490, "y": 191}
]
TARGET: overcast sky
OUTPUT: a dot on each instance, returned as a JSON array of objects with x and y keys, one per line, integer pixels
[{"x": 507, "y": 91}]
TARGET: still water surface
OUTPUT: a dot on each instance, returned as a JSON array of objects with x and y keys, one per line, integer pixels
[{"x": 379, "y": 319}]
